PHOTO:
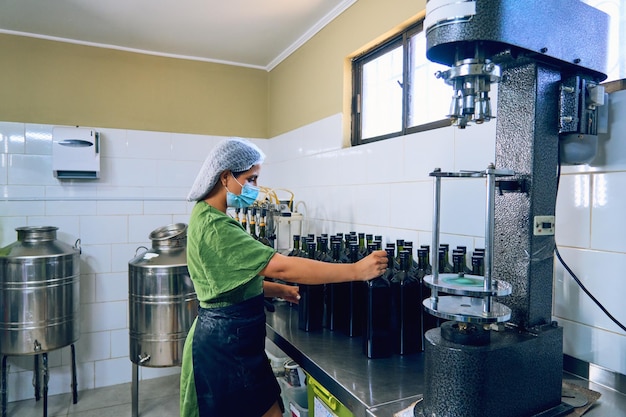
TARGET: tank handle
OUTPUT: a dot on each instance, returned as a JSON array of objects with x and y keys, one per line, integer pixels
[
  {"x": 143, "y": 358},
  {"x": 78, "y": 247},
  {"x": 140, "y": 247}
]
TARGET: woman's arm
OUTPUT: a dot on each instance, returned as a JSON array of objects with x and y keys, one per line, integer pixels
[{"x": 309, "y": 271}]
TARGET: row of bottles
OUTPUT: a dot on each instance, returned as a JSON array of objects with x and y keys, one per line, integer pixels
[
  {"x": 386, "y": 311},
  {"x": 249, "y": 217}
]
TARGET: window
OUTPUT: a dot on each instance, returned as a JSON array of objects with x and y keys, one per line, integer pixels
[{"x": 395, "y": 90}]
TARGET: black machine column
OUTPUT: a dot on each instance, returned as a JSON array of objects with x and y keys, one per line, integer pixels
[
  {"x": 548, "y": 58},
  {"x": 527, "y": 140}
]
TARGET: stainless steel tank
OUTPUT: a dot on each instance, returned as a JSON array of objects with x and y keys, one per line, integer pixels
[
  {"x": 39, "y": 292},
  {"x": 162, "y": 300}
]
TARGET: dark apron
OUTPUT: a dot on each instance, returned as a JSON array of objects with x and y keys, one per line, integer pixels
[{"x": 231, "y": 371}]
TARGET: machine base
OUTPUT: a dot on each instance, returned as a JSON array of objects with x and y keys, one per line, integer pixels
[{"x": 518, "y": 374}]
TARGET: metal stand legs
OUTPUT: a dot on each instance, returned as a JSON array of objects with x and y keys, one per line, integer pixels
[
  {"x": 4, "y": 386},
  {"x": 40, "y": 369},
  {"x": 74, "y": 383},
  {"x": 46, "y": 378},
  {"x": 135, "y": 390},
  {"x": 37, "y": 378}
]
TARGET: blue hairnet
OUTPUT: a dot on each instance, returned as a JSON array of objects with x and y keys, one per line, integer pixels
[{"x": 234, "y": 154}]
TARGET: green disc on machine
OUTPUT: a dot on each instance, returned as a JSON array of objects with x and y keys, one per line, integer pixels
[{"x": 463, "y": 281}]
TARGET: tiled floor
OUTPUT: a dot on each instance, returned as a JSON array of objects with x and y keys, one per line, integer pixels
[{"x": 158, "y": 397}]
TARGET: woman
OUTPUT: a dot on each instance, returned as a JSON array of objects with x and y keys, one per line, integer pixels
[{"x": 225, "y": 370}]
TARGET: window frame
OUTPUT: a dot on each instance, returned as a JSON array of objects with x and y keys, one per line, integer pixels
[{"x": 400, "y": 39}]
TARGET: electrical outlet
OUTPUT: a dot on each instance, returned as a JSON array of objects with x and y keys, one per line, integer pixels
[{"x": 543, "y": 226}]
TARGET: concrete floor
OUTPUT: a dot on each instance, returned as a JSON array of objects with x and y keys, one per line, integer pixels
[{"x": 158, "y": 397}]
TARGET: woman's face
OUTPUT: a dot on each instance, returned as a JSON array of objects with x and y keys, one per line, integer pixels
[{"x": 250, "y": 176}]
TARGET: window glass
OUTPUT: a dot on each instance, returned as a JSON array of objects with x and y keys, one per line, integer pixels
[
  {"x": 429, "y": 98},
  {"x": 384, "y": 104},
  {"x": 381, "y": 98}
]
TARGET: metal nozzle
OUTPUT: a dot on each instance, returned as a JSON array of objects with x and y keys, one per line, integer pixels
[{"x": 471, "y": 79}]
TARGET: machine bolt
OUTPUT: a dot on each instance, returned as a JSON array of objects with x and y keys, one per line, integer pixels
[{"x": 444, "y": 75}]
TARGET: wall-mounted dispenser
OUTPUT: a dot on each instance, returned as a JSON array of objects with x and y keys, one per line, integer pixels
[{"x": 75, "y": 153}]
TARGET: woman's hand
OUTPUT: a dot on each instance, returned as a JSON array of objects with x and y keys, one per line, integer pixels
[
  {"x": 289, "y": 293},
  {"x": 372, "y": 266}
]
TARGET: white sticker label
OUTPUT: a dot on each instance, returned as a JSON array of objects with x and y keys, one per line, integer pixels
[{"x": 321, "y": 410}]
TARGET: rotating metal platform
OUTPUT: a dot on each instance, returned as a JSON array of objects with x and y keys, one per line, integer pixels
[{"x": 466, "y": 309}]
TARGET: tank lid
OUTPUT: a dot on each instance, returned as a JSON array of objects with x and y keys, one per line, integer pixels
[
  {"x": 173, "y": 235},
  {"x": 36, "y": 233}
]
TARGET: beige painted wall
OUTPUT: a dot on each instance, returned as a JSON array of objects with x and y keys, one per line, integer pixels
[
  {"x": 59, "y": 83},
  {"x": 314, "y": 82},
  {"x": 51, "y": 82}
]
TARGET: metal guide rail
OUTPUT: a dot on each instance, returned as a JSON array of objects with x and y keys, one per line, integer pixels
[{"x": 472, "y": 299}]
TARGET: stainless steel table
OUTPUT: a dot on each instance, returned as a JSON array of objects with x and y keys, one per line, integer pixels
[
  {"x": 337, "y": 362},
  {"x": 378, "y": 387}
]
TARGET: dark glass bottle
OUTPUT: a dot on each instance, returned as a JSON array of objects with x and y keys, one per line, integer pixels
[
  {"x": 406, "y": 298},
  {"x": 322, "y": 250},
  {"x": 345, "y": 245},
  {"x": 478, "y": 264},
  {"x": 237, "y": 211},
  {"x": 479, "y": 251},
  {"x": 428, "y": 321},
  {"x": 369, "y": 238},
  {"x": 399, "y": 247},
  {"x": 362, "y": 247},
  {"x": 262, "y": 232},
  {"x": 355, "y": 300},
  {"x": 408, "y": 246},
  {"x": 462, "y": 250},
  {"x": 336, "y": 293},
  {"x": 244, "y": 218},
  {"x": 444, "y": 264},
  {"x": 252, "y": 223},
  {"x": 429, "y": 267},
  {"x": 395, "y": 265},
  {"x": 311, "y": 305},
  {"x": 349, "y": 240},
  {"x": 295, "y": 251},
  {"x": 338, "y": 236},
  {"x": 457, "y": 262},
  {"x": 377, "y": 335}
]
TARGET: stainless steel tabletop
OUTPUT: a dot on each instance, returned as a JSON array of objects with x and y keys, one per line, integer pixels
[
  {"x": 337, "y": 362},
  {"x": 378, "y": 387}
]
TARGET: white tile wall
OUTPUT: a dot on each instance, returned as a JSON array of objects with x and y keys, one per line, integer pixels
[
  {"x": 381, "y": 188},
  {"x": 384, "y": 188}
]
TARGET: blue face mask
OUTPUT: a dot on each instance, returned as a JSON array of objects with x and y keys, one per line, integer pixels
[{"x": 248, "y": 196}]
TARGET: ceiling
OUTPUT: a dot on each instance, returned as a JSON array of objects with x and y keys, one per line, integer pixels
[{"x": 251, "y": 33}]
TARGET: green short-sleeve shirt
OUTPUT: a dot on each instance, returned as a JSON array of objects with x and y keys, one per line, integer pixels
[{"x": 223, "y": 259}]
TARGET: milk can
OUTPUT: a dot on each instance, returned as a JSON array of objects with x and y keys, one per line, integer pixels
[
  {"x": 162, "y": 300},
  {"x": 39, "y": 292}
]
